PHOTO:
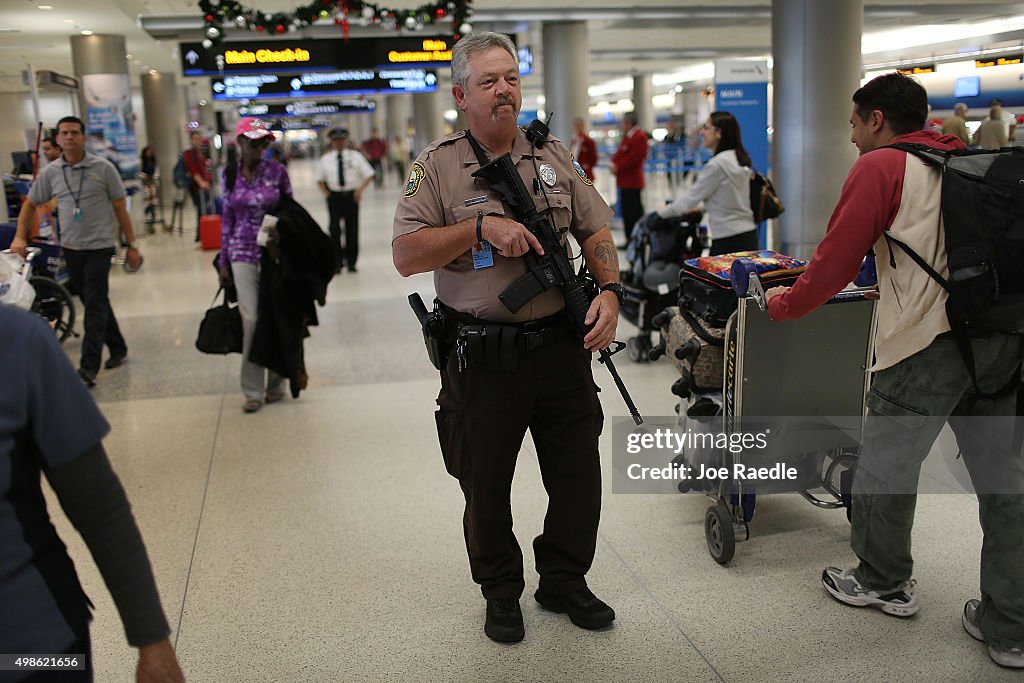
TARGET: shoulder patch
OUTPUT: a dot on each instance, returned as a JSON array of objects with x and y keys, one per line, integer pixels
[
  {"x": 416, "y": 176},
  {"x": 581, "y": 173}
]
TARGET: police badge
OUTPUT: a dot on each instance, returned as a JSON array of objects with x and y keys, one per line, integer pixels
[{"x": 547, "y": 174}]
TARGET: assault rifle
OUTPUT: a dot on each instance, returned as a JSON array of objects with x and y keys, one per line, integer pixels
[{"x": 553, "y": 269}]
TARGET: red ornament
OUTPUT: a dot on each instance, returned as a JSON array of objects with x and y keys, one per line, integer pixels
[
  {"x": 209, "y": 18},
  {"x": 344, "y": 29},
  {"x": 440, "y": 13},
  {"x": 259, "y": 29}
]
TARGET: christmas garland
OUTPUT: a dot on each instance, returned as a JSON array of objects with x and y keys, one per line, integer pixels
[{"x": 218, "y": 13}]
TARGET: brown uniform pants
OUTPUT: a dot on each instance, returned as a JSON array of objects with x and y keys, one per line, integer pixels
[{"x": 481, "y": 422}]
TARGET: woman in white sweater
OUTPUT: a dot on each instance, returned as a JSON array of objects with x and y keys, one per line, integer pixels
[{"x": 723, "y": 185}]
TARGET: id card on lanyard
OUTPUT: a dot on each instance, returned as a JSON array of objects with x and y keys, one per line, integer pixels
[{"x": 75, "y": 197}]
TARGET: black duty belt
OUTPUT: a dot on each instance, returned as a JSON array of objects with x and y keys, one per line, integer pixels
[{"x": 482, "y": 343}]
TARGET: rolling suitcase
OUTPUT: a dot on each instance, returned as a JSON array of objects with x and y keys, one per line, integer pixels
[
  {"x": 209, "y": 229},
  {"x": 705, "y": 284},
  {"x": 696, "y": 349}
]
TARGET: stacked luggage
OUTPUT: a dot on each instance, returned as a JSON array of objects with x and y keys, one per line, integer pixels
[
  {"x": 693, "y": 331},
  {"x": 656, "y": 252}
]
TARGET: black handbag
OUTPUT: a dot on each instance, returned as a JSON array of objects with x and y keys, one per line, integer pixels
[
  {"x": 763, "y": 201},
  {"x": 221, "y": 330}
]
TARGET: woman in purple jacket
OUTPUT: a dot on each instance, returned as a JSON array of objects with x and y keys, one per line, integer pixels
[{"x": 251, "y": 191}]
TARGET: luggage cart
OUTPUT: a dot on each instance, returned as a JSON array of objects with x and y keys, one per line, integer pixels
[{"x": 816, "y": 367}]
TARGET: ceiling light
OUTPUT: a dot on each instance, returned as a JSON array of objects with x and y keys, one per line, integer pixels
[
  {"x": 68, "y": 21},
  {"x": 45, "y": 6},
  {"x": 86, "y": 32},
  {"x": 127, "y": 56}
]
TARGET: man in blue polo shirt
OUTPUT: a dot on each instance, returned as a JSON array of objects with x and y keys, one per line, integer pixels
[{"x": 91, "y": 201}]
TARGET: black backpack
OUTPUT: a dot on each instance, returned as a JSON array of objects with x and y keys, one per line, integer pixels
[{"x": 982, "y": 207}]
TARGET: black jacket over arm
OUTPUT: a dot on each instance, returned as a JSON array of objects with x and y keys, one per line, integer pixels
[{"x": 290, "y": 285}]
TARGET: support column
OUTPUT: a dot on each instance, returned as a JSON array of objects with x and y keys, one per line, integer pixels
[
  {"x": 207, "y": 117},
  {"x": 397, "y": 116},
  {"x": 105, "y": 99},
  {"x": 397, "y": 129},
  {"x": 183, "y": 106},
  {"x": 361, "y": 127},
  {"x": 566, "y": 75},
  {"x": 695, "y": 107},
  {"x": 159, "y": 97},
  {"x": 642, "y": 101},
  {"x": 379, "y": 118},
  {"x": 817, "y": 68},
  {"x": 427, "y": 118}
]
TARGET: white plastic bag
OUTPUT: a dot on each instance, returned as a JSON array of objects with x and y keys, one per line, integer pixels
[{"x": 15, "y": 288}]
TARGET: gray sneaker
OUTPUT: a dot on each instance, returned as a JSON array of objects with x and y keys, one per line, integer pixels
[
  {"x": 1011, "y": 657},
  {"x": 844, "y": 587}
]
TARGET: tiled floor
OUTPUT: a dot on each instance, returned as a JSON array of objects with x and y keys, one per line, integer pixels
[{"x": 320, "y": 539}]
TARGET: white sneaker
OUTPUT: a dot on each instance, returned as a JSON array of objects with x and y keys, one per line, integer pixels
[
  {"x": 1011, "y": 657},
  {"x": 844, "y": 587}
]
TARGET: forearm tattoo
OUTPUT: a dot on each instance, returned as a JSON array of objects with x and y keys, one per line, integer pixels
[{"x": 607, "y": 259}]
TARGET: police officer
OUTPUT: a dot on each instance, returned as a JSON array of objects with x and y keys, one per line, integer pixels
[{"x": 456, "y": 226}]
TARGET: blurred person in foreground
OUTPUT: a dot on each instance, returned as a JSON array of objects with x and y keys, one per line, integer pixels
[{"x": 50, "y": 425}]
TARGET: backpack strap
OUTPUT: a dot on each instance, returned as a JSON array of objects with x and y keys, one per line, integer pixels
[{"x": 958, "y": 325}]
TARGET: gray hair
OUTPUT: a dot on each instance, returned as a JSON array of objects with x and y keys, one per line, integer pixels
[
  {"x": 960, "y": 107},
  {"x": 474, "y": 44}
]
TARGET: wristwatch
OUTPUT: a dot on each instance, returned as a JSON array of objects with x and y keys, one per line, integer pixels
[
  {"x": 132, "y": 245},
  {"x": 616, "y": 289}
]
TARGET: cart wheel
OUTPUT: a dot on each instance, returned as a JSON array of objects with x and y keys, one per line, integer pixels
[
  {"x": 719, "y": 533},
  {"x": 637, "y": 348}
]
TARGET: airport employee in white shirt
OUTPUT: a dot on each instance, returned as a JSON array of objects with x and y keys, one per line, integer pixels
[{"x": 343, "y": 174}]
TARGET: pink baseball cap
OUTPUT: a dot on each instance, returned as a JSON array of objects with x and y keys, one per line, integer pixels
[{"x": 254, "y": 129}]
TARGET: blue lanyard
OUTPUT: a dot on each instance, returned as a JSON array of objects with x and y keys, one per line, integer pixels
[{"x": 81, "y": 180}]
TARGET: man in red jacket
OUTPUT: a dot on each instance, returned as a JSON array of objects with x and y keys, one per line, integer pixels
[
  {"x": 920, "y": 379},
  {"x": 583, "y": 148},
  {"x": 627, "y": 166},
  {"x": 199, "y": 177}
]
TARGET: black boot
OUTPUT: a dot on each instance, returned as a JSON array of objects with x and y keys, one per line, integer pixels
[{"x": 504, "y": 620}]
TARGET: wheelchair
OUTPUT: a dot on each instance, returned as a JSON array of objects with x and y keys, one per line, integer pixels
[{"x": 53, "y": 302}]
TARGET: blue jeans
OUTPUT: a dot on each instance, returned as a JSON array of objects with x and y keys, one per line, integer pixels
[{"x": 909, "y": 403}]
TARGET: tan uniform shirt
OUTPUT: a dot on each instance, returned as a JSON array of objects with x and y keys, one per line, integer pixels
[{"x": 441, "y": 192}]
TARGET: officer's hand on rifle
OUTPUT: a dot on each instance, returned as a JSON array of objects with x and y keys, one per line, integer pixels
[
  {"x": 510, "y": 238},
  {"x": 604, "y": 309}
]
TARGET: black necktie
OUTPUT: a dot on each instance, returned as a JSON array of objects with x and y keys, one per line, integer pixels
[{"x": 341, "y": 170}]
